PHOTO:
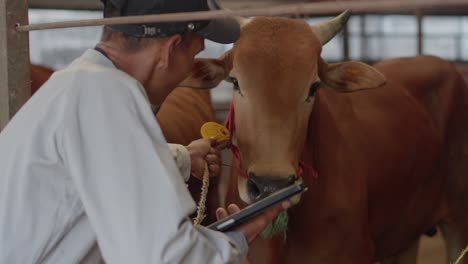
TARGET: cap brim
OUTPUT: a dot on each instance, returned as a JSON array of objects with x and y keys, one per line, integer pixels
[{"x": 224, "y": 31}]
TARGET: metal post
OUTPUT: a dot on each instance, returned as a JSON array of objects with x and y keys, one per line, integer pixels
[
  {"x": 346, "y": 42},
  {"x": 419, "y": 17},
  {"x": 364, "y": 46},
  {"x": 458, "y": 41},
  {"x": 14, "y": 59}
]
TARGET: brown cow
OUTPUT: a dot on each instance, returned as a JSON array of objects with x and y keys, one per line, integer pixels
[
  {"x": 392, "y": 161},
  {"x": 181, "y": 116},
  {"x": 39, "y": 75}
]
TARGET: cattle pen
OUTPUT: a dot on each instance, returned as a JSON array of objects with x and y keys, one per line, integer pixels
[{"x": 361, "y": 40}]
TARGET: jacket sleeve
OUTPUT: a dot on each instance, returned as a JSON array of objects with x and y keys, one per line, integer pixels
[
  {"x": 182, "y": 160},
  {"x": 130, "y": 187}
]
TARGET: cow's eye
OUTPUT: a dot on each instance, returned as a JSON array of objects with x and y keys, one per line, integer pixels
[
  {"x": 235, "y": 84},
  {"x": 313, "y": 88}
]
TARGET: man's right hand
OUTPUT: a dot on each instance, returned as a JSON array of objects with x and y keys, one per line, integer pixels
[
  {"x": 204, "y": 151},
  {"x": 254, "y": 227}
]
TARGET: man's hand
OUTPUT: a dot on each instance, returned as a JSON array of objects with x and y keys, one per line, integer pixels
[
  {"x": 203, "y": 151},
  {"x": 254, "y": 227}
]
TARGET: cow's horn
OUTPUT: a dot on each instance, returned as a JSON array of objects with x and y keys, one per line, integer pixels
[
  {"x": 242, "y": 21},
  {"x": 215, "y": 5},
  {"x": 326, "y": 30}
]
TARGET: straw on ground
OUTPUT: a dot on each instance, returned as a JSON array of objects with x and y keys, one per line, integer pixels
[{"x": 461, "y": 256}]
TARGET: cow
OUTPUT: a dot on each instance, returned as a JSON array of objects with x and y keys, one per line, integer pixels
[
  {"x": 39, "y": 75},
  {"x": 389, "y": 143},
  {"x": 181, "y": 116}
]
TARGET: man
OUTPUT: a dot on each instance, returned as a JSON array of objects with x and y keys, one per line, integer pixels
[{"x": 85, "y": 164}]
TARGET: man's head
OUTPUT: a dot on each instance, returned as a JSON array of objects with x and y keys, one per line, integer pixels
[{"x": 161, "y": 55}]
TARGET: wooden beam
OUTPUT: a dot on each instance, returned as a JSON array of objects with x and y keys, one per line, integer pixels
[{"x": 14, "y": 59}]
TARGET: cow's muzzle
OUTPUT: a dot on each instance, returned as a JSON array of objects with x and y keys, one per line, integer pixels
[{"x": 259, "y": 187}]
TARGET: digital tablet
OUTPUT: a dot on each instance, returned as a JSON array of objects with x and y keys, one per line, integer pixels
[{"x": 256, "y": 208}]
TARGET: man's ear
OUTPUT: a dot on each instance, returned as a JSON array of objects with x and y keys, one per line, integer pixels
[
  {"x": 350, "y": 76},
  {"x": 208, "y": 73},
  {"x": 168, "y": 49}
]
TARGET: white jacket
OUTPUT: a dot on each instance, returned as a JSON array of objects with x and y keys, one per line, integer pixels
[{"x": 84, "y": 162}]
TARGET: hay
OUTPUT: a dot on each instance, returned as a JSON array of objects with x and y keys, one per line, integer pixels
[
  {"x": 460, "y": 258},
  {"x": 278, "y": 227}
]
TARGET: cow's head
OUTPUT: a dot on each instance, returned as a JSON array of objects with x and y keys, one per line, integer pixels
[{"x": 276, "y": 68}]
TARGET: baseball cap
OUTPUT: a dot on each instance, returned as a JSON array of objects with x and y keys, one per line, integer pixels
[{"x": 225, "y": 31}]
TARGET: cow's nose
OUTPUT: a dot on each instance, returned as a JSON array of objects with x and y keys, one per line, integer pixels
[{"x": 261, "y": 186}]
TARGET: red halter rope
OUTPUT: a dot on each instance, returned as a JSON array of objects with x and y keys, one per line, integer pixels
[{"x": 230, "y": 125}]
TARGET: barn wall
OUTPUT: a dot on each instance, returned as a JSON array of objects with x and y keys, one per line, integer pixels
[{"x": 231, "y": 4}]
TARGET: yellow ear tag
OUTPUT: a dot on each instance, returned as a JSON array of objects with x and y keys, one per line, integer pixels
[{"x": 213, "y": 129}]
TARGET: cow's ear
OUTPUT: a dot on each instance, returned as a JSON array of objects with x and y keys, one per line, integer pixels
[
  {"x": 350, "y": 76},
  {"x": 208, "y": 73}
]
